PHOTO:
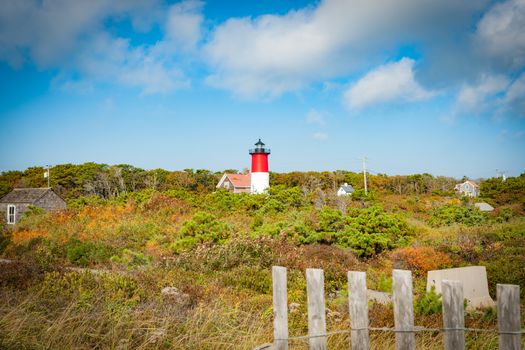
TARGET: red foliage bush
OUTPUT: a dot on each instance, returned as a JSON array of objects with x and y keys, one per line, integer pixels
[{"x": 420, "y": 259}]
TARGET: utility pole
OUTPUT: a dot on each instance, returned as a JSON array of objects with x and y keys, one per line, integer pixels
[
  {"x": 502, "y": 174},
  {"x": 364, "y": 175},
  {"x": 48, "y": 175}
]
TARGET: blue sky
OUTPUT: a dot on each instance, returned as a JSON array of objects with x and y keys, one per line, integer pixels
[{"x": 434, "y": 86}]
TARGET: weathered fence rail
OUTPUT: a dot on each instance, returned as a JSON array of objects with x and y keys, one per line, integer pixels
[{"x": 508, "y": 307}]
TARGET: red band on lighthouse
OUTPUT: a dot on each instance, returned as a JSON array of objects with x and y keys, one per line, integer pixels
[{"x": 259, "y": 163}]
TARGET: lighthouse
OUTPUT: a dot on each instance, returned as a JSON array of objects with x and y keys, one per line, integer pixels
[{"x": 260, "y": 178}]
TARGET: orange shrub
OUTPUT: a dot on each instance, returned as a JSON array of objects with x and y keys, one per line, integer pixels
[
  {"x": 420, "y": 259},
  {"x": 24, "y": 236},
  {"x": 109, "y": 215},
  {"x": 62, "y": 217}
]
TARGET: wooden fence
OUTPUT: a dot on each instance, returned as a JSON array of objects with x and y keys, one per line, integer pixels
[{"x": 508, "y": 311}]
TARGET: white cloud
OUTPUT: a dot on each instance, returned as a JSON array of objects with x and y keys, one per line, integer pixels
[
  {"x": 71, "y": 36},
  {"x": 493, "y": 94},
  {"x": 316, "y": 117},
  {"x": 272, "y": 54},
  {"x": 269, "y": 55},
  {"x": 320, "y": 136},
  {"x": 474, "y": 97},
  {"x": 496, "y": 95},
  {"x": 115, "y": 60},
  {"x": 392, "y": 82},
  {"x": 184, "y": 24},
  {"x": 48, "y": 32},
  {"x": 500, "y": 33},
  {"x": 515, "y": 96}
]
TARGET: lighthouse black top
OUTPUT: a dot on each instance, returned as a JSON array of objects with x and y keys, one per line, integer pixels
[
  {"x": 259, "y": 148},
  {"x": 260, "y": 158}
]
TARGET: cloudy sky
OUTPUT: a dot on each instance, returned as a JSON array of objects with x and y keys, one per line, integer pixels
[{"x": 416, "y": 86}]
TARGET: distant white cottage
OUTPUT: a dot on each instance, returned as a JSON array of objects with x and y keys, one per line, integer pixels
[
  {"x": 345, "y": 190},
  {"x": 468, "y": 188}
]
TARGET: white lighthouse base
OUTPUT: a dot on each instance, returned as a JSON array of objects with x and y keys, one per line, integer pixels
[{"x": 260, "y": 182}]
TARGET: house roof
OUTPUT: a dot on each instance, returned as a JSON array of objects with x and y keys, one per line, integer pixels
[
  {"x": 240, "y": 180},
  {"x": 237, "y": 180},
  {"x": 24, "y": 195},
  {"x": 347, "y": 188},
  {"x": 472, "y": 183}
]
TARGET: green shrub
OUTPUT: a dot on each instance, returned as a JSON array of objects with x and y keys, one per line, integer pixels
[
  {"x": 4, "y": 241},
  {"x": 453, "y": 214},
  {"x": 184, "y": 244},
  {"x": 33, "y": 211},
  {"x": 131, "y": 259},
  {"x": 138, "y": 233},
  {"x": 221, "y": 200},
  {"x": 366, "y": 231},
  {"x": 85, "y": 253},
  {"x": 512, "y": 190},
  {"x": 366, "y": 244},
  {"x": 384, "y": 284},
  {"x": 83, "y": 201},
  {"x": 506, "y": 265},
  {"x": 289, "y": 196},
  {"x": 117, "y": 292},
  {"x": 32, "y": 216},
  {"x": 241, "y": 252},
  {"x": 138, "y": 198},
  {"x": 331, "y": 220},
  {"x": 360, "y": 195},
  {"x": 203, "y": 227},
  {"x": 253, "y": 278},
  {"x": 250, "y": 202},
  {"x": 48, "y": 253},
  {"x": 429, "y": 303},
  {"x": 505, "y": 215},
  {"x": 273, "y": 206},
  {"x": 5, "y": 236}
]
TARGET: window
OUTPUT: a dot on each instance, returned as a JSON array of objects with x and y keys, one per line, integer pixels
[{"x": 11, "y": 214}]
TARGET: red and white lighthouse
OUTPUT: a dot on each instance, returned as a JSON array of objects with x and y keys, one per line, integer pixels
[{"x": 260, "y": 178}]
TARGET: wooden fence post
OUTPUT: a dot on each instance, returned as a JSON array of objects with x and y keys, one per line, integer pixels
[
  {"x": 508, "y": 298},
  {"x": 280, "y": 308},
  {"x": 403, "y": 310},
  {"x": 316, "y": 309},
  {"x": 358, "y": 307},
  {"x": 453, "y": 315}
]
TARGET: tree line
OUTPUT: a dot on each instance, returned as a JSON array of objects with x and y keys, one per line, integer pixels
[{"x": 108, "y": 181}]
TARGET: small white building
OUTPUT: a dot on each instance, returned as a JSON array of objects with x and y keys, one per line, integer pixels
[
  {"x": 468, "y": 188},
  {"x": 345, "y": 190}
]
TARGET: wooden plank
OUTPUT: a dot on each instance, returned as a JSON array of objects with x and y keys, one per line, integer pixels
[
  {"x": 403, "y": 310},
  {"x": 280, "y": 308},
  {"x": 358, "y": 308},
  {"x": 453, "y": 315},
  {"x": 508, "y": 296},
  {"x": 316, "y": 309}
]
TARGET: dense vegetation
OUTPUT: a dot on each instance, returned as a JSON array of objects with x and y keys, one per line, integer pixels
[{"x": 143, "y": 231}]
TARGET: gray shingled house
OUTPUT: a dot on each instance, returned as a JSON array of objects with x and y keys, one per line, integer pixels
[
  {"x": 16, "y": 202},
  {"x": 345, "y": 190}
]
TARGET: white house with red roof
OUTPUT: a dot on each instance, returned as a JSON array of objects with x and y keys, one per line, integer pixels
[
  {"x": 468, "y": 188},
  {"x": 236, "y": 183}
]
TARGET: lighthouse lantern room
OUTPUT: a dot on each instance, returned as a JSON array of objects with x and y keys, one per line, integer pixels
[{"x": 260, "y": 178}]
